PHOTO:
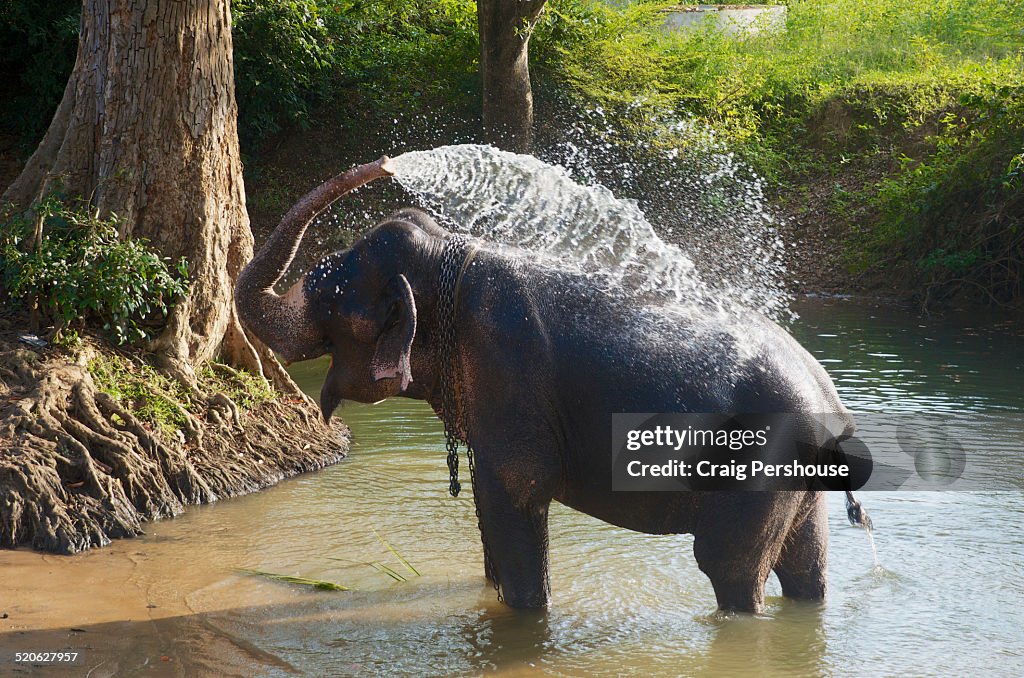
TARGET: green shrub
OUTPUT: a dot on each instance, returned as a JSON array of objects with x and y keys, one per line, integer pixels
[
  {"x": 81, "y": 268},
  {"x": 958, "y": 213},
  {"x": 404, "y": 55},
  {"x": 283, "y": 59},
  {"x": 39, "y": 42}
]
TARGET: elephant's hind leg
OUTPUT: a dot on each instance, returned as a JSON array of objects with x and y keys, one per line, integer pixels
[
  {"x": 736, "y": 542},
  {"x": 801, "y": 567},
  {"x": 735, "y": 590}
]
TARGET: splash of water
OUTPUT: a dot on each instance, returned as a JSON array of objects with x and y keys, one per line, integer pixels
[
  {"x": 691, "y": 186},
  {"x": 520, "y": 201},
  {"x": 538, "y": 208}
]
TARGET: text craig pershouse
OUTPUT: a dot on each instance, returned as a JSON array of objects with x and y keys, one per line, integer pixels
[{"x": 728, "y": 452}]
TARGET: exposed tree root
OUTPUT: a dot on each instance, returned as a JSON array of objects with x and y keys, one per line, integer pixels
[{"x": 79, "y": 468}]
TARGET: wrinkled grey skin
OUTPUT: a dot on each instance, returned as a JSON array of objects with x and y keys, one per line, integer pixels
[{"x": 545, "y": 359}]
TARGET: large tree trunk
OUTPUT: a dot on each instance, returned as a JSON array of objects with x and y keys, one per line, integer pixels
[
  {"x": 147, "y": 130},
  {"x": 505, "y": 27}
]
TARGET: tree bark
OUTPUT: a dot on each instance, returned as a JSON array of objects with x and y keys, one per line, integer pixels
[
  {"x": 147, "y": 130},
  {"x": 505, "y": 27}
]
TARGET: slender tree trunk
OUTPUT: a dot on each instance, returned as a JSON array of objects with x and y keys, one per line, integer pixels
[
  {"x": 505, "y": 27},
  {"x": 147, "y": 130}
]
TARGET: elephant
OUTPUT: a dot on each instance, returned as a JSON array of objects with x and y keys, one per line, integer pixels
[{"x": 526, "y": 364}]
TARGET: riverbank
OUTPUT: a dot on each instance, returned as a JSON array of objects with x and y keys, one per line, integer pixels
[{"x": 95, "y": 442}]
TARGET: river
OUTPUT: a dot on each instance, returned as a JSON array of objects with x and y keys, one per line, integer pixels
[{"x": 944, "y": 599}]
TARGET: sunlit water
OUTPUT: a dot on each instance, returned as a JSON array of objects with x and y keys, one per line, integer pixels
[{"x": 945, "y": 598}]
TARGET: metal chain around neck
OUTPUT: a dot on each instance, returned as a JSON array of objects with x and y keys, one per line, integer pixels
[
  {"x": 454, "y": 261},
  {"x": 455, "y": 249}
]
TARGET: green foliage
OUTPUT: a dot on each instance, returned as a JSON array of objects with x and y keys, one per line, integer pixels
[
  {"x": 39, "y": 43},
  {"x": 291, "y": 55},
  {"x": 959, "y": 212},
  {"x": 79, "y": 267},
  {"x": 283, "y": 57}
]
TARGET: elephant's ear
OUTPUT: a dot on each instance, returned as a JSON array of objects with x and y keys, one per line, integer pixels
[{"x": 391, "y": 359}]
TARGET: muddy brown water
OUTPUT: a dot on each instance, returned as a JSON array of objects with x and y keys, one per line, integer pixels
[{"x": 946, "y": 598}]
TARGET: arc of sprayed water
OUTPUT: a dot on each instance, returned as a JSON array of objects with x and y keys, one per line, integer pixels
[{"x": 522, "y": 202}]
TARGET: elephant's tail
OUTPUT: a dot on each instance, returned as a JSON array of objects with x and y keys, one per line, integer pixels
[{"x": 856, "y": 512}]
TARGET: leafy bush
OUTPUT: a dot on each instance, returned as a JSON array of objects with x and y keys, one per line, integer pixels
[
  {"x": 958, "y": 214},
  {"x": 39, "y": 43},
  {"x": 291, "y": 55},
  {"x": 283, "y": 58},
  {"x": 75, "y": 266}
]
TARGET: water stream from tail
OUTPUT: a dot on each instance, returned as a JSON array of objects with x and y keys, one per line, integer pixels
[
  {"x": 874, "y": 551},
  {"x": 537, "y": 208}
]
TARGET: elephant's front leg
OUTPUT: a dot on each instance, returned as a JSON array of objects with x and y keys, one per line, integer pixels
[{"x": 514, "y": 530}]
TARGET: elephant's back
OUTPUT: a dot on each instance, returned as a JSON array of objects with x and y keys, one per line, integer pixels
[{"x": 675, "y": 358}]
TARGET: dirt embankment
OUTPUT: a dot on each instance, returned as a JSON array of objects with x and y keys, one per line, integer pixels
[
  {"x": 818, "y": 241},
  {"x": 93, "y": 442}
]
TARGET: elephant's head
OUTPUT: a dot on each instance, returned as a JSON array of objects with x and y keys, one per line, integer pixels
[
  {"x": 357, "y": 304},
  {"x": 372, "y": 302}
]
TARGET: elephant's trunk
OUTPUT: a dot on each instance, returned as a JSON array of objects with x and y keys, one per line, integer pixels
[{"x": 284, "y": 322}]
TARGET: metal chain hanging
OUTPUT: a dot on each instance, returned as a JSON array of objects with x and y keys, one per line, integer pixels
[
  {"x": 451, "y": 261},
  {"x": 454, "y": 261}
]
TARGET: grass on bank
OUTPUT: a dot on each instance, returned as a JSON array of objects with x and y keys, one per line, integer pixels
[
  {"x": 920, "y": 100},
  {"x": 163, "y": 402}
]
